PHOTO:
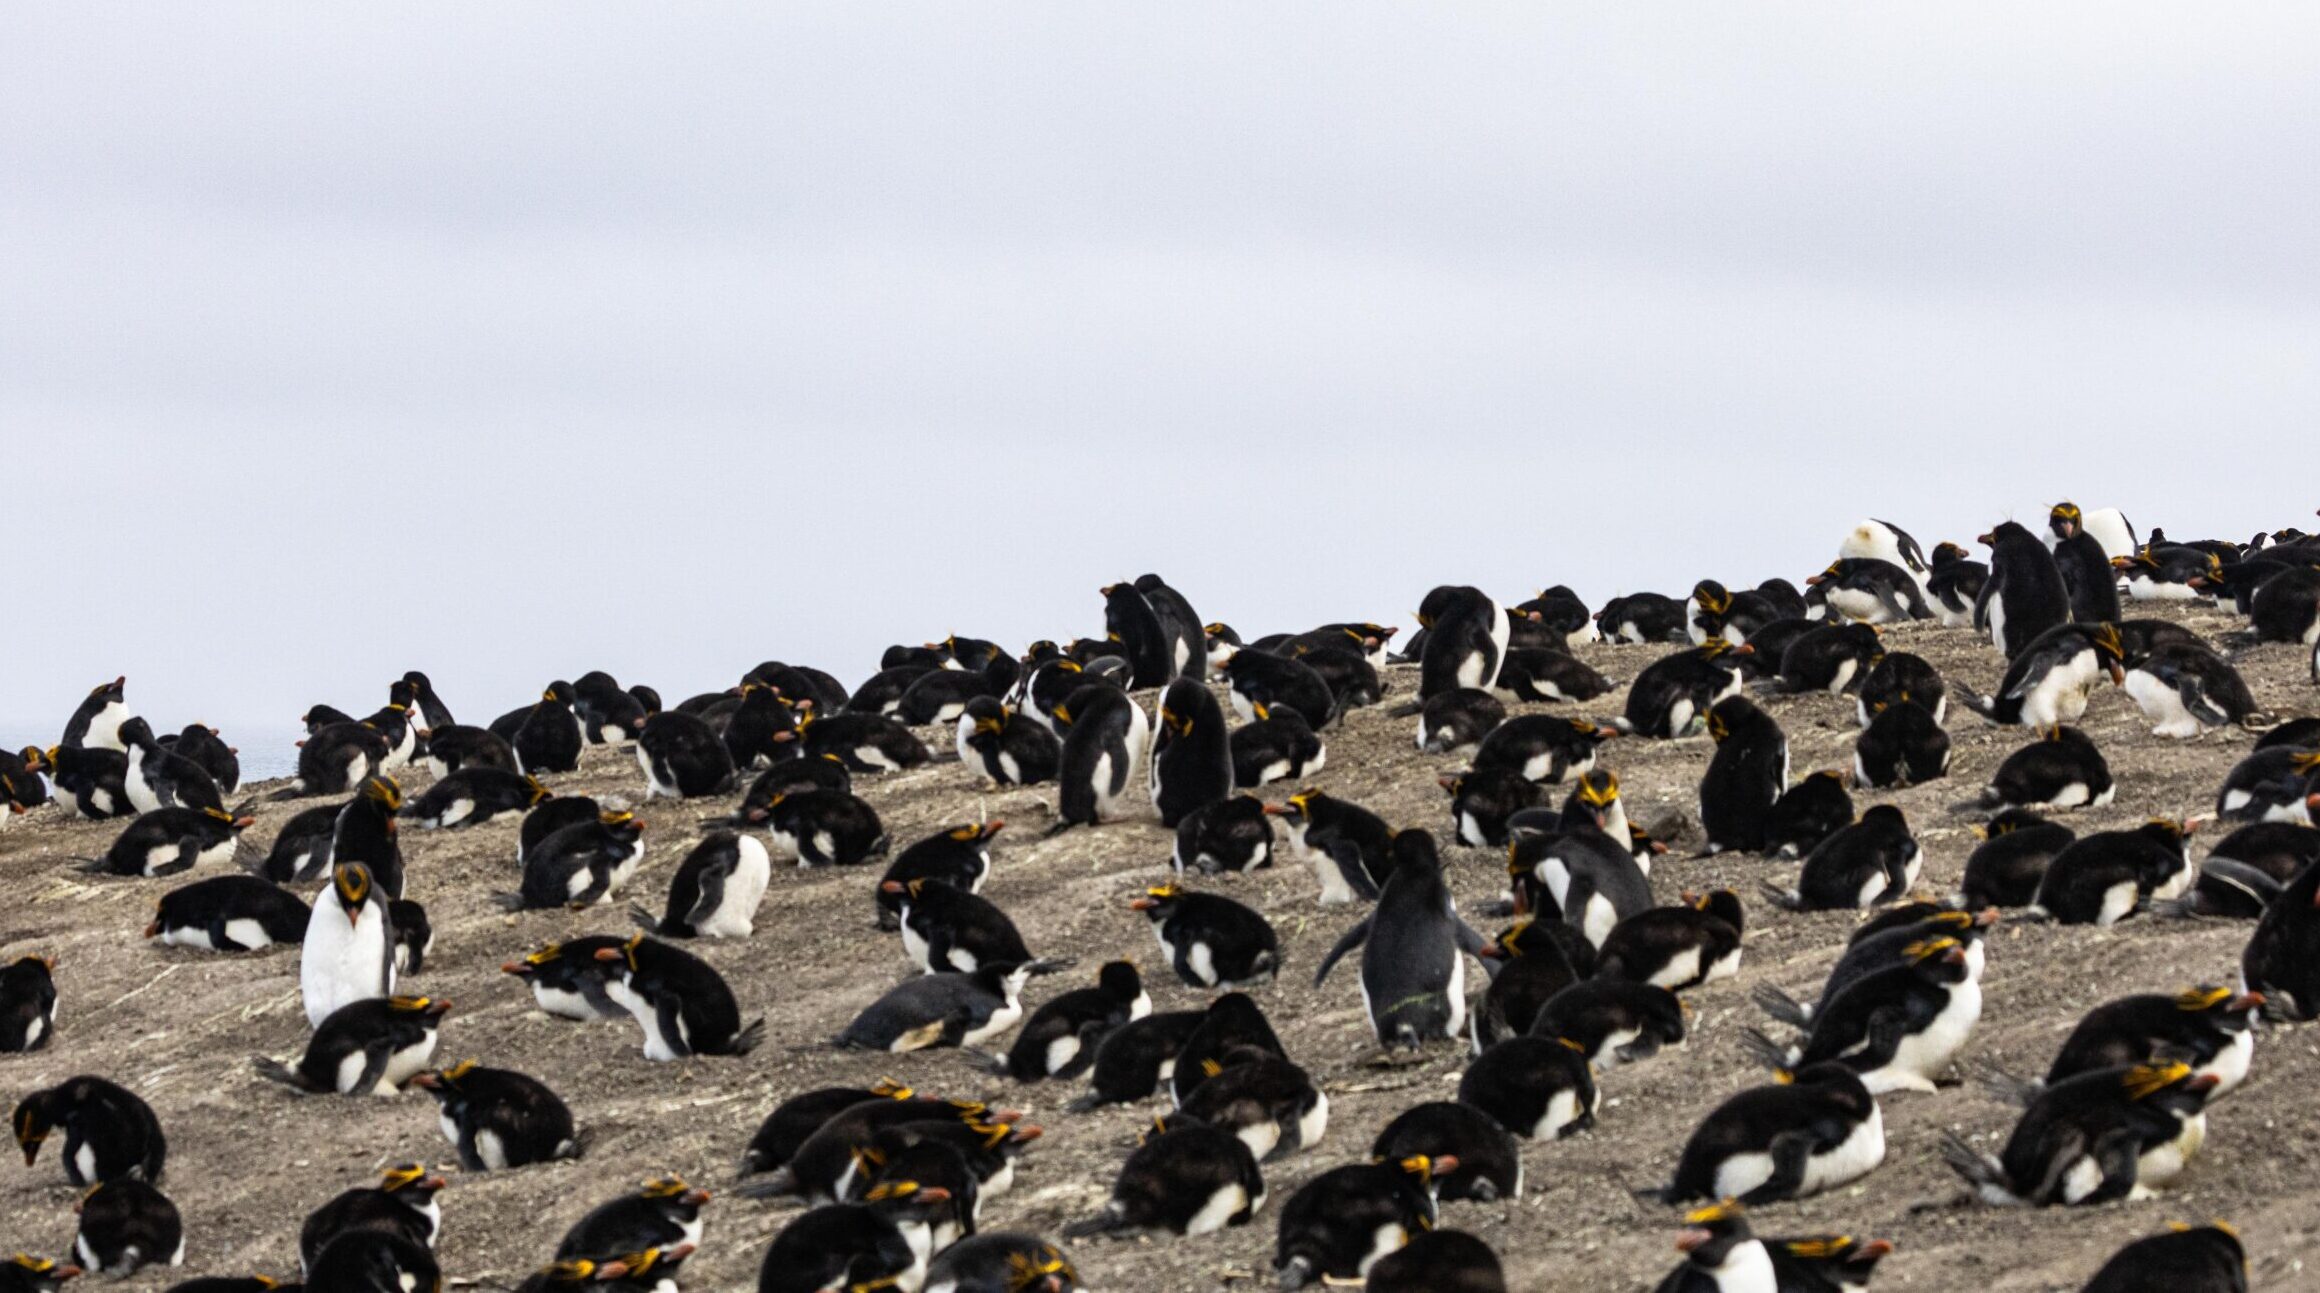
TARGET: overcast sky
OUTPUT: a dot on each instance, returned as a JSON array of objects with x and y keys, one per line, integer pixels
[{"x": 514, "y": 340}]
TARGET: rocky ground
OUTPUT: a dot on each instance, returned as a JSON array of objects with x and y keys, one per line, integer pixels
[{"x": 248, "y": 1160}]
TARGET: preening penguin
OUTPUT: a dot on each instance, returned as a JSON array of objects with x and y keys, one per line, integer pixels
[
  {"x": 109, "y": 1133},
  {"x": 2006, "y": 868},
  {"x": 1186, "y": 1178},
  {"x": 1489, "y": 1161},
  {"x": 1614, "y": 1021},
  {"x": 1103, "y": 750},
  {"x": 1899, "y": 1028},
  {"x": 1192, "y": 760},
  {"x": 1831, "y": 658},
  {"x": 1528, "y": 965},
  {"x": 125, "y": 1225},
  {"x": 1457, "y": 718},
  {"x": 1871, "y": 591},
  {"x": 402, "y": 1203},
  {"x": 1147, "y": 645},
  {"x": 1484, "y": 800},
  {"x": 1954, "y": 587},
  {"x": 1539, "y": 1088},
  {"x": 1466, "y": 640},
  {"x": 157, "y": 777},
  {"x": 1005, "y": 746},
  {"x": 1903, "y": 745},
  {"x": 580, "y": 865},
  {"x": 1677, "y": 690},
  {"x": 1745, "y": 778},
  {"x": 608, "y": 715},
  {"x": 348, "y": 953},
  {"x": 1230, "y": 835},
  {"x": 716, "y": 889},
  {"x": 1813, "y": 809},
  {"x": 1876, "y": 540},
  {"x": 2023, "y": 597},
  {"x": 1279, "y": 746},
  {"x": 1179, "y": 624},
  {"x": 1061, "y": 1038},
  {"x": 1543, "y": 747},
  {"x": 335, "y": 759},
  {"x": 549, "y": 738},
  {"x": 1413, "y": 969},
  {"x": 1347, "y": 843},
  {"x": 1438, "y": 1261},
  {"x": 822, "y": 827},
  {"x": 1900, "y": 676},
  {"x": 1279, "y": 682},
  {"x": 1873, "y": 861},
  {"x": 1640, "y": 618}
]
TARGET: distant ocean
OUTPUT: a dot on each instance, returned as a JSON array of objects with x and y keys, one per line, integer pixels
[{"x": 266, "y": 753}]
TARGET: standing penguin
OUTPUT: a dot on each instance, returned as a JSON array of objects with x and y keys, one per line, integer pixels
[
  {"x": 549, "y": 738},
  {"x": 1746, "y": 777},
  {"x": 349, "y": 952},
  {"x": 2023, "y": 596},
  {"x": 96, "y": 724},
  {"x": 1466, "y": 640},
  {"x": 1413, "y": 970},
  {"x": 1102, "y": 750},
  {"x": 27, "y": 1004},
  {"x": 2085, "y": 568},
  {"x": 1130, "y": 621},
  {"x": 1192, "y": 764},
  {"x": 1187, "y": 636}
]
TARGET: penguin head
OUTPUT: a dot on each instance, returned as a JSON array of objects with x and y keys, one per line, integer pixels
[
  {"x": 532, "y": 961},
  {"x": 38, "y": 760},
  {"x": 559, "y": 692},
  {"x": 900, "y": 1196},
  {"x": 988, "y": 715},
  {"x": 410, "y": 1180},
  {"x": 2167, "y": 833},
  {"x": 1723, "y": 904},
  {"x": 1298, "y": 807},
  {"x": 1041, "y": 1270},
  {"x": 1425, "y": 1169},
  {"x": 536, "y": 794},
  {"x": 32, "y": 1124},
  {"x": 2170, "y": 1085},
  {"x": 1180, "y": 724},
  {"x": 1713, "y": 597},
  {"x": 672, "y": 1188},
  {"x": 2064, "y": 520},
  {"x": 1941, "y": 959},
  {"x": 35, "y": 1274},
  {"x": 351, "y": 883},
  {"x": 1414, "y": 848},
  {"x": 625, "y": 954},
  {"x": 1849, "y": 1261},
  {"x": 1597, "y": 790},
  {"x": 386, "y": 792},
  {"x": 2225, "y": 1010},
  {"x": 621, "y": 822},
  {"x": 1711, "y": 1233},
  {"x": 138, "y": 733},
  {"x": 444, "y": 1083},
  {"x": 1946, "y": 552},
  {"x": 1121, "y": 981}
]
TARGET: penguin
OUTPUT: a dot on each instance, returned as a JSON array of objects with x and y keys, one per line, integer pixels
[
  {"x": 2102, "y": 878},
  {"x": 551, "y": 815},
  {"x": 2023, "y": 597},
  {"x": 569, "y": 981},
  {"x": 1811, "y": 1132},
  {"x": 1002, "y": 1262},
  {"x": 824, "y": 828},
  {"x": 1745, "y": 778},
  {"x": 1192, "y": 756},
  {"x": 845, "y": 1246},
  {"x": 2087, "y": 576},
  {"x": 91, "y": 781},
  {"x": 1231, "y": 834},
  {"x": 1049, "y": 680},
  {"x": 1641, "y": 618},
  {"x": 430, "y": 706},
  {"x": 96, "y": 723},
  {"x": 366, "y": 832},
  {"x": 1256, "y": 1094},
  {"x": 959, "y": 857},
  {"x": 550, "y": 736},
  {"x": 2208, "y": 1027},
  {"x": 1903, "y": 745},
  {"x": 25, "y": 1273},
  {"x": 1871, "y": 862},
  {"x": 21, "y": 786},
  {"x": 943, "y": 695},
  {"x": 1954, "y": 586},
  {"x": 1538, "y": 1088},
  {"x": 1613, "y": 1021},
  {"x": 1489, "y": 1160},
  {"x": 2005, "y": 869},
  {"x": 1867, "y": 590},
  {"x": 1061, "y": 1038},
  {"x": 825, "y": 772},
  {"x": 157, "y": 777},
  {"x": 402, "y": 1203},
  {"x": 1351, "y": 679},
  {"x": 682, "y": 758},
  {"x": 1878, "y": 943},
  {"x": 2286, "y": 607},
  {"x": 1131, "y": 622},
  {"x": 681, "y": 1002},
  {"x": 1579, "y": 871},
  {"x": 803, "y": 684},
  {"x": 368, "y": 1047},
  {"x": 1810, "y": 811},
  {"x": 348, "y": 952},
  {"x": 1466, "y": 640},
  {"x": 664, "y": 1214},
  {"x": 2170, "y": 573},
  {"x": 1279, "y": 683},
  {"x": 2050, "y": 678},
  {"x": 2109, "y": 1134},
  {"x": 2192, "y": 1259},
  {"x": 2188, "y": 690},
  {"x": 1211, "y": 941},
  {"x": 946, "y": 929},
  {"x": 1219, "y": 640},
  {"x": 2273, "y": 784},
  {"x": 336, "y": 759},
  {"x": 1186, "y": 1178},
  {"x": 170, "y": 841},
  {"x": 797, "y": 1118},
  {"x": 373, "y": 1261},
  {"x": 1232, "y": 1023},
  {"x": 1721, "y": 1255},
  {"x": 1278, "y": 746},
  {"x": 827, "y": 1164},
  {"x": 1833, "y": 658},
  {"x": 109, "y": 1133},
  {"x": 1899, "y": 1028},
  {"x": 1901, "y": 676},
  {"x": 1337, "y": 1225},
  {"x": 581, "y": 865},
  {"x": 2063, "y": 769},
  {"x": 1677, "y": 947},
  {"x": 456, "y": 747},
  {"x": 1877, "y": 540},
  {"x": 1704, "y": 613},
  {"x": 761, "y": 730},
  {"x": 1347, "y": 844},
  {"x": 1005, "y": 747},
  {"x": 1528, "y": 964},
  {"x": 1413, "y": 967},
  {"x": 1825, "y": 1263},
  {"x": 1484, "y": 800},
  {"x": 608, "y": 715},
  {"x": 1134, "y": 1060},
  {"x": 2276, "y": 849},
  {"x": 1543, "y": 748},
  {"x": 229, "y": 913},
  {"x": 716, "y": 890},
  {"x": 1676, "y": 691},
  {"x": 496, "y": 1119},
  {"x": 1103, "y": 751},
  {"x": 947, "y": 1009},
  {"x": 1452, "y": 720},
  {"x": 2282, "y": 957},
  {"x": 472, "y": 796},
  {"x": 394, "y": 724},
  {"x": 200, "y": 743},
  {"x": 126, "y": 1225},
  {"x": 1546, "y": 676},
  {"x": 27, "y": 1004},
  {"x": 1438, "y": 1261}
]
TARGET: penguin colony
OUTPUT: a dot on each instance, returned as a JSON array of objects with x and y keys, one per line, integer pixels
[{"x": 1508, "y": 977}]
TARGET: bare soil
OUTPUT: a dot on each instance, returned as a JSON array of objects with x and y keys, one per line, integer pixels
[{"x": 249, "y": 1160}]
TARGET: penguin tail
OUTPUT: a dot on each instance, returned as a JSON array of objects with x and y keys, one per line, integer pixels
[
  {"x": 994, "y": 1063},
  {"x": 1296, "y": 1273},
  {"x": 1974, "y": 1167},
  {"x": 274, "y": 1070},
  {"x": 2008, "y": 1087},
  {"x": 1623, "y": 725},
  {"x": 878, "y": 848},
  {"x": 574, "y": 1147},
  {"x": 2036, "y": 915},
  {"x": 1112, "y": 1218},
  {"x": 1407, "y": 709},
  {"x": 643, "y": 918},
  {"x": 248, "y": 806},
  {"x": 1983, "y": 705},
  {"x": 1083, "y": 1104},
  {"x": 2183, "y": 908},
  {"x": 1781, "y": 1006},
  {"x": 1785, "y": 899},
  {"x": 1057, "y": 829},
  {"x": 1766, "y": 1051},
  {"x": 295, "y": 790},
  {"x": 1051, "y": 964},
  {"x": 509, "y": 901},
  {"x": 749, "y": 1038},
  {"x": 780, "y": 1183},
  {"x": 728, "y": 820},
  {"x": 88, "y": 866}
]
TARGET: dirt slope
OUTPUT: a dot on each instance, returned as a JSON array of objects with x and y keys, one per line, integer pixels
[{"x": 248, "y": 1160}]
